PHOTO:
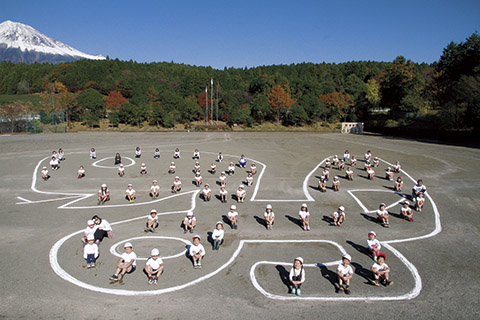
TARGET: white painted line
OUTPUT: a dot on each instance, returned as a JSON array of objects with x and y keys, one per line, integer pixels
[
  {"x": 95, "y": 164},
  {"x": 23, "y": 199},
  {"x": 114, "y": 252},
  {"x": 42, "y": 201}
]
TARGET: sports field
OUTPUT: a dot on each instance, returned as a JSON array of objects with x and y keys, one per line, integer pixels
[{"x": 433, "y": 260}]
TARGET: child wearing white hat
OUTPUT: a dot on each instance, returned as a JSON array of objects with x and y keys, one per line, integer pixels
[
  {"x": 349, "y": 173},
  {"x": 253, "y": 168},
  {"x": 322, "y": 185},
  {"x": 45, "y": 175},
  {"x": 89, "y": 230},
  {"x": 130, "y": 193},
  {"x": 389, "y": 174},
  {"x": 143, "y": 169},
  {"x": 152, "y": 221},
  {"x": 154, "y": 189},
  {"x": 189, "y": 222},
  {"x": 344, "y": 273},
  {"x": 297, "y": 276},
  {"x": 335, "y": 160},
  {"x": 126, "y": 264},
  {"x": 335, "y": 184},
  {"x": 223, "y": 194},
  {"x": 177, "y": 185},
  {"x": 213, "y": 168},
  {"x": 103, "y": 194},
  {"x": 121, "y": 170},
  {"x": 154, "y": 266},
  {"x": 370, "y": 173},
  {"x": 373, "y": 245},
  {"x": 232, "y": 216},
  {"x": 90, "y": 251},
  {"x": 269, "y": 217},
  {"x": 197, "y": 252},
  {"x": 222, "y": 179},
  {"x": 375, "y": 162},
  {"x": 172, "y": 168},
  {"x": 197, "y": 179},
  {"x": 231, "y": 168},
  {"x": 207, "y": 192},
  {"x": 196, "y": 167},
  {"x": 249, "y": 180},
  {"x": 339, "y": 216},
  {"x": 304, "y": 217},
  {"x": 217, "y": 235},
  {"x": 241, "y": 193}
]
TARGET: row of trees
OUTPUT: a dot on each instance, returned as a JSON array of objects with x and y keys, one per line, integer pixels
[{"x": 167, "y": 93}]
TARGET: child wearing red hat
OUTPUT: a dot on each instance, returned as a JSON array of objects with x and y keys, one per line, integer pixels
[
  {"x": 373, "y": 245},
  {"x": 381, "y": 271}
]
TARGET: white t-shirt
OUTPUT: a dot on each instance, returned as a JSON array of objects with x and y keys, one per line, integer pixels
[
  {"x": 213, "y": 166},
  {"x": 155, "y": 188},
  {"x": 172, "y": 167},
  {"x": 127, "y": 257},
  {"x": 417, "y": 188},
  {"x": 404, "y": 210},
  {"x": 130, "y": 192},
  {"x": 337, "y": 214},
  {"x": 121, "y": 169},
  {"x": 138, "y": 152},
  {"x": 223, "y": 192},
  {"x": 382, "y": 212},
  {"x": 104, "y": 225},
  {"x": 81, "y": 171},
  {"x": 177, "y": 183},
  {"x": 269, "y": 214},
  {"x": 198, "y": 178},
  {"x": 218, "y": 234},
  {"x": 91, "y": 231},
  {"x": 222, "y": 179},
  {"x": 231, "y": 168},
  {"x": 197, "y": 249},
  {"x": 150, "y": 218},
  {"x": 374, "y": 242},
  {"x": 190, "y": 220},
  {"x": 345, "y": 269},
  {"x": 249, "y": 179},
  {"x": 241, "y": 192},
  {"x": 45, "y": 172},
  {"x": 232, "y": 214},
  {"x": 90, "y": 249},
  {"x": 379, "y": 267},
  {"x": 54, "y": 162},
  {"x": 207, "y": 191},
  {"x": 303, "y": 214},
  {"x": 196, "y": 154},
  {"x": 177, "y": 154},
  {"x": 296, "y": 272},
  {"x": 93, "y": 154},
  {"x": 155, "y": 264}
]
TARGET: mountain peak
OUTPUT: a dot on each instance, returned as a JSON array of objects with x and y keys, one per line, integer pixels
[{"x": 22, "y": 43}]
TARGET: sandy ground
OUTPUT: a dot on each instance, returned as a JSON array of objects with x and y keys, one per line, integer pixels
[{"x": 435, "y": 277}]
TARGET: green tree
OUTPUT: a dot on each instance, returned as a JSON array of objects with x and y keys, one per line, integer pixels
[{"x": 93, "y": 106}]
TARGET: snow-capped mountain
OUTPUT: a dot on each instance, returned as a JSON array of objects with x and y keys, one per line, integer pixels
[{"x": 22, "y": 43}]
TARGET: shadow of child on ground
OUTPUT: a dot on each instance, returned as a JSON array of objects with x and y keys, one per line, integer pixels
[
  {"x": 294, "y": 220},
  {"x": 284, "y": 275}
]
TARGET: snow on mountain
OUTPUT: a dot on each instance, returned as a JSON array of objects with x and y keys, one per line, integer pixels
[{"x": 22, "y": 43}]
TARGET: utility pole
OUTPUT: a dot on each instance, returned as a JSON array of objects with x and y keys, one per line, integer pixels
[
  {"x": 211, "y": 96},
  {"x": 206, "y": 104},
  {"x": 217, "y": 102}
]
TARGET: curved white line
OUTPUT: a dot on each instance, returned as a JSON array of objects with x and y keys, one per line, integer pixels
[{"x": 95, "y": 164}]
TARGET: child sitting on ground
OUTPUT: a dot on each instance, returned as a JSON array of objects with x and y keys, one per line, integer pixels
[
  {"x": 172, "y": 168},
  {"x": 213, "y": 168},
  {"x": 353, "y": 161},
  {"x": 249, "y": 180},
  {"x": 156, "y": 153},
  {"x": 223, "y": 194},
  {"x": 138, "y": 152},
  {"x": 126, "y": 264},
  {"x": 196, "y": 167},
  {"x": 304, "y": 217},
  {"x": 419, "y": 202},
  {"x": 103, "y": 194},
  {"x": 54, "y": 163},
  {"x": 383, "y": 216},
  {"x": 241, "y": 193},
  {"x": 373, "y": 245},
  {"x": 406, "y": 211},
  {"x": 335, "y": 160},
  {"x": 376, "y": 162},
  {"x": 121, "y": 170},
  {"x": 217, "y": 235},
  {"x": 93, "y": 154},
  {"x": 90, "y": 251},
  {"x": 176, "y": 154},
  {"x": 397, "y": 167},
  {"x": 296, "y": 276},
  {"x": 389, "y": 174},
  {"x": 231, "y": 169},
  {"x": 398, "y": 185},
  {"x": 349, "y": 173},
  {"x": 197, "y": 179},
  {"x": 189, "y": 222},
  {"x": 177, "y": 185},
  {"x": 196, "y": 155},
  {"x": 242, "y": 162},
  {"x": 222, "y": 179},
  {"x": 322, "y": 186},
  {"x": 232, "y": 216},
  {"x": 370, "y": 173},
  {"x": 220, "y": 157},
  {"x": 269, "y": 216},
  {"x": 335, "y": 184},
  {"x": 381, "y": 271},
  {"x": 130, "y": 193},
  {"x": 197, "y": 252},
  {"x": 253, "y": 168},
  {"x": 152, "y": 221},
  {"x": 45, "y": 175},
  {"x": 154, "y": 266},
  {"x": 338, "y": 216},
  {"x": 345, "y": 274},
  {"x": 207, "y": 192},
  {"x": 89, "y": 230},
  {"x": 143, "y": 169},
  {"x": 81, "y": 172},
  {"x": 154, "y": 189}
]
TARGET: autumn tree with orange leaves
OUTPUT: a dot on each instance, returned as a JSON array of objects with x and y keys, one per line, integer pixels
[
  {"x": 280, "y": 101},
  {"x": 114, "y": 101},
  {"x": 339, "y": 104}
]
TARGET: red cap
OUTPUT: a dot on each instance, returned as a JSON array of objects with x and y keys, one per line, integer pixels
[{"x": 382, "y": 255}]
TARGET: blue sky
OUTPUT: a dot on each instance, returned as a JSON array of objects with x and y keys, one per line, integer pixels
[{"x": 249, "y": 33}]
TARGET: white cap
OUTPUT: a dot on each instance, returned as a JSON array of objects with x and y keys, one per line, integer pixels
[
  {"x": 372, "y": 232},
  {"x": 153, "y": 210},
  {"x": 128, "y": 244},
  {"x": 173, "y": 162},
  {"x": 121, "y": 165},
  {"x": 155, "y": 252},
  {"x": 304, "y": 205},
  {"x": 44, "y": 167},
  {"x": 89, "y": 222},
  {"x": 269, "y": 206},
  {"x": 219, "y": 222},
  {"x": 154, "y": 181},
  {"x": 143, "y": 164},
  {"x": 130, "y": 185},
  {"x": 347, "y": 256},
  {"x": 341, "y": 208},
  {"x": 223, "y": 172},
  {"x": 90, "y": 237},
  {"x": 299, "y": 259},
  {"x": 177, "y": 177},
  {"x": 197, "y": 236},
  {"x": 336, "y": 177},
  {"x": 234, "y": 207},
  {"x": 104, "y": 185},
  {"x": 189, "y": 213},
  {"x": 241, "y": 186},
  {"x": 206, "y": 184},
  {"x": 406, "y": 202},
  {"x": 382, "y": 204},
  {"x": 198, "y": 173}
]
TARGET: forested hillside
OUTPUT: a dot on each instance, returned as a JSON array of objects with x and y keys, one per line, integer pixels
[{"x": 163, "y": 94}]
